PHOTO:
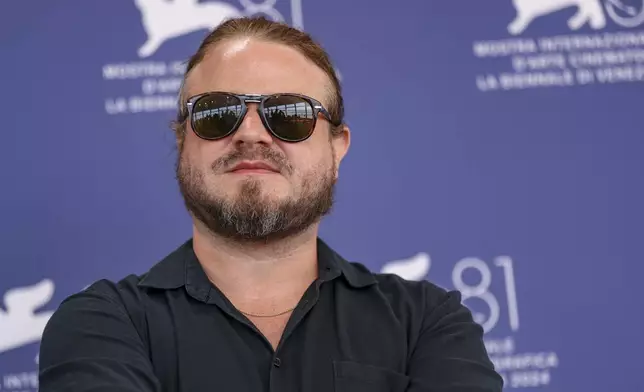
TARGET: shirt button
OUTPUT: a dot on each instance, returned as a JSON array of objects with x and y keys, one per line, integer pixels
[{"x": 277, "y": 362}]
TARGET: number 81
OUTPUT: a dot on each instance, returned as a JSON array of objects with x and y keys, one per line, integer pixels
[{"x": 481, "y": 290}]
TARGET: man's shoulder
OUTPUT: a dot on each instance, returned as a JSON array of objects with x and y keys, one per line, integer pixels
[
  {"x": 422, "y": 295},
  {"x": 166, "y": 273},
  {"x": 118, "y": 305},
  {"x": 122, "y": 295},
  {"x": 418, "y": 305},
  {"x": 116, "y": 289}
]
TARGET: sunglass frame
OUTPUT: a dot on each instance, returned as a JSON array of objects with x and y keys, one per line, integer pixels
[{"x": 259, "y": 99}]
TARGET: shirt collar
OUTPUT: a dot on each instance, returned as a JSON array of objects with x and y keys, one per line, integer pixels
[{"x": 182, "y": 268}]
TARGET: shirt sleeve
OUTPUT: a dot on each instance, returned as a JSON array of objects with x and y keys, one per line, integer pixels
[
  {"x": 450, "y": 355},
  {"x": 91, "y": 345}
]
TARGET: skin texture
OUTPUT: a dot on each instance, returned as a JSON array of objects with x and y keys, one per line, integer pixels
[{"x": 255, "y": 231}]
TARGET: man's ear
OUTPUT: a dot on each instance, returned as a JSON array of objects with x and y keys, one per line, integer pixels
[{"x": 340, "y": 141}]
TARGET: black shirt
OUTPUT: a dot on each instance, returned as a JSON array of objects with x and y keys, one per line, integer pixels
[{"x": 171, "y": 329}]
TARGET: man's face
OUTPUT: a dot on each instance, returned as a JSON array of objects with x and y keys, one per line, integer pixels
[{"x": 254, "y": 205}]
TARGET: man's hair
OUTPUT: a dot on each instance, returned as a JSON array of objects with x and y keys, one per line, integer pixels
[{"x": 263, "y": 29}]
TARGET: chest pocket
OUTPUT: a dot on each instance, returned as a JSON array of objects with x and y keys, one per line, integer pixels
[{"x": 356, "y": 377}]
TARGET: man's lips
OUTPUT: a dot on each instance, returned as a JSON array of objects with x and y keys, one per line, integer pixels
[{"x": 253, "y": 167}]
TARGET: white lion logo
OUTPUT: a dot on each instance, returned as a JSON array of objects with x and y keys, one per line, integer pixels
[
  {"x": 589, "y": 11},
  {"x": 163, "y": 19},
  {"x": 20, "y": 324}
]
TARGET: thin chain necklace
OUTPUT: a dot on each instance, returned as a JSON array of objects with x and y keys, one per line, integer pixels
[
  {"x": 268, "y": 315},
  {"x": 261, "y": 315}
]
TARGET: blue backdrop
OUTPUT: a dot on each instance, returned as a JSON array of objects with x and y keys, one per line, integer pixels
[{"x": 496, "y": 150}]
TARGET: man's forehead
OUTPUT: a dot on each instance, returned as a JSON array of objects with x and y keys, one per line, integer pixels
[{"x": 245, "y": 66}]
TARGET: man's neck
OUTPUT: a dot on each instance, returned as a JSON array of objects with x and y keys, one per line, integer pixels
[{"x": 259, "y": 275}]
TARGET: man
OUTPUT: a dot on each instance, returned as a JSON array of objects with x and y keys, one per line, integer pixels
[{"x": 255, "y": 301}]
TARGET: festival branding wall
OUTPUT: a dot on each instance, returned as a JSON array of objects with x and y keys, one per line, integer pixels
[{"x": 497, "y": 149}]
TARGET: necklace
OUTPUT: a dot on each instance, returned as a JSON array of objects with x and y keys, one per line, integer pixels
[{"x": 268, "y": 315}]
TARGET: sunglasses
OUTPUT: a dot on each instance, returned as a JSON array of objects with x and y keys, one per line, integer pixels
[{"x": 288, "y": 117}]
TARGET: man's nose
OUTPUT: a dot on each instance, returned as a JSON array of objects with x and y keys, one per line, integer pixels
[{"x": 252, "y": 129}]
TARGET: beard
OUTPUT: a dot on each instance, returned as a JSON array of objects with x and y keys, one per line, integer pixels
[{"x": 251, "y": 216}]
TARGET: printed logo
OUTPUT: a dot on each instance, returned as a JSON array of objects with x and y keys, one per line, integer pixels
[
  {"x": 495, "y": 307},
  {"x": 561, "y": 60},
  {"x": 163, "y": 20},
  {"x": 589, "y": 11},
  {"x": 146, "y": 84},
  {"x": 21, "y": 323}
]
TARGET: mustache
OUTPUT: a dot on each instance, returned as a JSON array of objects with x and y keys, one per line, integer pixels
[{"x": 264, "y": 154}]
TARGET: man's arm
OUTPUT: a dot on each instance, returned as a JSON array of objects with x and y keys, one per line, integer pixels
[
  {"x": 450, "y": 355},
  {"x": 91, "y": 345}
]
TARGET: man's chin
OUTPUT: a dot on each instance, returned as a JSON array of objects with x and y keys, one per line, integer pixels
[
  {"x": 264, "y": 201},
  {"x": 267, "y": 190},
  {"x": 251, "y": 182}
]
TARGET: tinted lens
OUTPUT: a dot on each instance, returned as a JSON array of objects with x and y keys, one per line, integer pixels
[
  {"x": 290, "y": 117},
  {"x": 215, "y": 115}
]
